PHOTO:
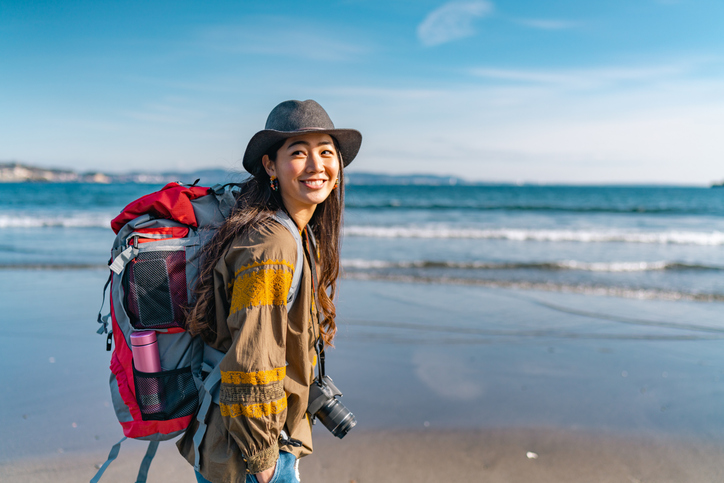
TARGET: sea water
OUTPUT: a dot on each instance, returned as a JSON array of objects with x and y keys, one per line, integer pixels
[
  {"x": 640, "y": 242},
  {"x": 508, "y": 305}
]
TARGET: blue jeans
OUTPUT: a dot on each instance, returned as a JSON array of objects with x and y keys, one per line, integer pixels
[{"x": 285, "y": 472}]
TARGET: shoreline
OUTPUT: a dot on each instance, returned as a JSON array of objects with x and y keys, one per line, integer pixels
[
  {"x": 601, "y": 389},
  {"x": 430, "y": 455}
]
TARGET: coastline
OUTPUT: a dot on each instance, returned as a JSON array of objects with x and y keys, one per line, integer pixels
[
  {"x": 539, "y": 455},
  {"x": 493, "y": 455},
  {"x": 445, "y": 381}
]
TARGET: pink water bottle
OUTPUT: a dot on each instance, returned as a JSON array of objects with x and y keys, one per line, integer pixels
[
  {"x": 146, "y": 359},
  {"x": 145, "y": 351}
]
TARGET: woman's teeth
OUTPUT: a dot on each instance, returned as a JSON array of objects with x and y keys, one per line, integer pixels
[{"x": 317, "y": 183}]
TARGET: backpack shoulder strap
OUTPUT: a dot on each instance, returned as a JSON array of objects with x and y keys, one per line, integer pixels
[{"x": 287, "y": 222}]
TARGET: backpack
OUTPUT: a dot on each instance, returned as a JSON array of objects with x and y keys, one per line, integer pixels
[{"x": 155, "y": 262}]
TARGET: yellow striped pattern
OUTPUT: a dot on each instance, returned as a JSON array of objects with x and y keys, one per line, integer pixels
[
  {"x": 261, "y": 264},
  {"x": 253, "y": 410},
  {"x": 255, "y": 378},
  {"x": 267, "y": 286}
]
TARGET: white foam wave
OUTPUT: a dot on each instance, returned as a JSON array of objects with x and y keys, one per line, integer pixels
[
  {"x": 581, "y": 236},
  {"x": 613, "y": 266},
  {"x": 362, "y": 264},
  {"x": 610, "y": 291},
  {"x": 367, "y": 264},
  {"x": 74, "y": 220}
]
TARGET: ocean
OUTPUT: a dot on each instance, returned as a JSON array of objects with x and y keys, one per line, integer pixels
[
  {"x": 560, "y": 307},
  {"x": 632, "y": 242}
]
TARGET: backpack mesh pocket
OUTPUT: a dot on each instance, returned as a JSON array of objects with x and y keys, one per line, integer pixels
[
  {"x": 155, "y": 286},
  {"x": 162, "y": 396}
]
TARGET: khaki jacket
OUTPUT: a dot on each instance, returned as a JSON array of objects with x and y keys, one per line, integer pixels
[{"x": 269, "y": 361}]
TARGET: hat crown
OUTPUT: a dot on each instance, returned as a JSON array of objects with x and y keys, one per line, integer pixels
[{"x": 291, "y": 116}]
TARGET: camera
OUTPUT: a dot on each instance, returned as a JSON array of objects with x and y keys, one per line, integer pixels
[{"x": 323, "y": 405}]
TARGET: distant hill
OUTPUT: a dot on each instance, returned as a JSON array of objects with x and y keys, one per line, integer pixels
[
  {"x": 14, "y": 172},
  {"x": 205, "y": 176}
]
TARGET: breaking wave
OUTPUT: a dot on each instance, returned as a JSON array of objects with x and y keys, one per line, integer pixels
[
  {"x": 606, "y": 290},
  {"x": 418, "y": 205},
  {"x": 362, "y": 264},
  {"x": 71, "y": 220},
  {"x": 581, "y": 236},
  {"x": 52, "y": 266}
]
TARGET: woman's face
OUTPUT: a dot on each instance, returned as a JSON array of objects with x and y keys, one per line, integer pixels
[{"x": 307, "y": 167}]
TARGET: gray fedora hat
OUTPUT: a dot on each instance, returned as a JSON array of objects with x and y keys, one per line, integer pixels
[{"x": 292, "y": 118}]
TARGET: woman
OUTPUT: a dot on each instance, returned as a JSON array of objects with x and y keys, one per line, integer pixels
[{"x": 260, "y": 427}]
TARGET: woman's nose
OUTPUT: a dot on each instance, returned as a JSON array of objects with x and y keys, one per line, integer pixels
[{"x": 315, "y": 163}]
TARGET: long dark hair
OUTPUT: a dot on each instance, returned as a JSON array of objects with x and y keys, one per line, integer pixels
[{"x": 255, "y": 205}]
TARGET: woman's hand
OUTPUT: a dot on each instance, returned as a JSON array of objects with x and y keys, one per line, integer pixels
[{"x": 266, "y": 475}]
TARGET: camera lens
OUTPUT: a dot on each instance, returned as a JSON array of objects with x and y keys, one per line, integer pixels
[{"x": 336, "y": 418}]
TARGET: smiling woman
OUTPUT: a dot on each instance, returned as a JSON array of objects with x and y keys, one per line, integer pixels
[
  {"x": 306, "y": 169},
  {"x": 260, "y": 426}
]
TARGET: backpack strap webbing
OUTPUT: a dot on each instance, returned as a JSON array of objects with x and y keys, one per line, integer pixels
[
  {"x": 111, "y": 456},
  {"x": 145, "y": 464},
  {"x": 211, "y": 393},
  {"x": 103, "y": 320}
]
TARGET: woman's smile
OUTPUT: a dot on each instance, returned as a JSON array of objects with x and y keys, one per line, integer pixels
[{"x": 313, "y": 183}]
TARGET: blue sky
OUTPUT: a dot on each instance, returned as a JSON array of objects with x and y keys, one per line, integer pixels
[{"x": 623, "y": 91}]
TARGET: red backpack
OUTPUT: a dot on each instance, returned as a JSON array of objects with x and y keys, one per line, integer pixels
[{"x": 155, "y": 261}]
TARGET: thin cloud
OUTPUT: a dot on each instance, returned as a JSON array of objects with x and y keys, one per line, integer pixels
[
  {"x": 640, "y": 131},
  {"x": 452, "y": 21},
  {"x": 547, "y": 24},
  {"x": 582, "y": 78}
]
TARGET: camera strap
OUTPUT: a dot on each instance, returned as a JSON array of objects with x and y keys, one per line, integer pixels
[{"x": 319, "y": 343}]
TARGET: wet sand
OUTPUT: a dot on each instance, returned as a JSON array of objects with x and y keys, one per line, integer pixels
[
  {"x": 512, "y": 455},
  {"x": 492, "y": 455},
  {"x": 447, "y": 383}
]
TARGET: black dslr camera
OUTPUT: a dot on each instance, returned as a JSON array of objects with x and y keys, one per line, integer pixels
[{"x": 323, "y": 405}]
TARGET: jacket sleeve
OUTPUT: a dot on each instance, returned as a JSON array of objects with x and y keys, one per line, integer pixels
[{"x": 252, "y": 400}]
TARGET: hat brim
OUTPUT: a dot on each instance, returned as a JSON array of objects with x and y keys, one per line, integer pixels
[{"x": 349, "y": 141}]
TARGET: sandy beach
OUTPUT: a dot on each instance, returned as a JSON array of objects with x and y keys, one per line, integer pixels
[
  {"x": 493, "y": 455},
  {"x": 447, "y": 383}
]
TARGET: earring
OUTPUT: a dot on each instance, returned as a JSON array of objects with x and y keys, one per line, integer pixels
[
  {"x": 336, "y": 183},
  {"x": 274, "y": 183}
]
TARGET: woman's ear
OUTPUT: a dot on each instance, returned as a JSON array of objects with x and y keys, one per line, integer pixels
[{"x": 268, "y": 165}]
